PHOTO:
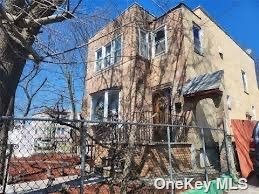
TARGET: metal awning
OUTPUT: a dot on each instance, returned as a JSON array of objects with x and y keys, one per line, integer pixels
[{"x": 203, "y": 83}]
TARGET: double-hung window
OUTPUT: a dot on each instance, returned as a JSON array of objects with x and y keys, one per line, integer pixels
[
  {"x": 244, "y": 80},
  {"x": 117, "y": 49},
  {"x": 109, "y": 54},
  {"x": 105, "y": 105},
  {"x": 99, "y": 59},
  {"x": 197, "y": 35},
  {"x": 160, "y": 41},
  {"x": 107, "y": 58},
  {"x": 144, "y": 44}
]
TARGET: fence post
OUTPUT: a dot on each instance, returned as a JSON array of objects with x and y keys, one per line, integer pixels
[
  {"x": 204, "y": 154},
  {"x": 227, "y": 151},
  {"x": 169, "y": 155},
  {"x": 83, "y": 151}
]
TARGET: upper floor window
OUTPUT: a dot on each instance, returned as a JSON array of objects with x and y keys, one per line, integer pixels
[
  {"x": 197, "y": 35},
  {"x": 109, "y": 54},
  {"x": 143, "y": 44},
  {"x": 99, "y": 59},
  {"x": 160, "y": 41},
  {"x": 117, "y": 49},
  {"x": 107, "y": 57},
  {"x": 244, "y": 80},
  {"x": 105, "y": 105}
]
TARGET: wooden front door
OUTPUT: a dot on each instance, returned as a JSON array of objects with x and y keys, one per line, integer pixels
[
  {"x": 162, "y": 106},
  {"x": 161, "y": 101}
]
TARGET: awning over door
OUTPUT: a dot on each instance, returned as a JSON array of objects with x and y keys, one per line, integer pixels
[{"x": 206, "y": 83}]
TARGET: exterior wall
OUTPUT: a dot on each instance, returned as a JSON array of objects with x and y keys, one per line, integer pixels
[
  {"x": 235, "y": 60},
  {"x": 125, "y": 74},
  {"x": 138, "y": 78},
  {"x": 215, "y": 40}
]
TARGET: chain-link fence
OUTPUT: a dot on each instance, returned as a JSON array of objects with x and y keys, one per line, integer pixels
[{"x": 56, "y": 155}]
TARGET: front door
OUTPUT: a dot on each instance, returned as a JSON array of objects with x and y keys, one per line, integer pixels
[{"x": 161, "y": 101}]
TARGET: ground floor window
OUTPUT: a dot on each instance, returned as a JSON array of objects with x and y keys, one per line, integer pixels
[{"x": 105, "y": 105}]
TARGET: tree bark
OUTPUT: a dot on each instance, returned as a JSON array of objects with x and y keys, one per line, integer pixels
[{"x": 16, "y": 39}]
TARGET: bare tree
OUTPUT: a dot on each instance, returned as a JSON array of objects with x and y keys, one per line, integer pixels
[
  {"x": 21, "y": 21},
  {"x": 30, "y": 88}
]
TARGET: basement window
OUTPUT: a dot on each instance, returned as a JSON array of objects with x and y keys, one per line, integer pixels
[{"x": 105, "y": 105}]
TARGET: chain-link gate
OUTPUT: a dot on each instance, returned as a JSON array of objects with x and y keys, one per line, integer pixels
[{"x": 55, "y": 155}]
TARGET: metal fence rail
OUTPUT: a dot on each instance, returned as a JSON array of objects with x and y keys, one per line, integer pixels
[{"x": 50, "y": 155}]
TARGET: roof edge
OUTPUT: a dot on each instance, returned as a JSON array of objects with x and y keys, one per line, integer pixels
[
  {"x": 176, "y": 7},
  {"x": 215, "y": 22}
]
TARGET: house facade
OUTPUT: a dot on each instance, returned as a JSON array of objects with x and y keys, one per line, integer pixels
[
  {"x": 181, "y": 67},
  {"x": 42, "y": 136}
]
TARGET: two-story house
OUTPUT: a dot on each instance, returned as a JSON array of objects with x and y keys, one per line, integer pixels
[
  {"x": 178, "y": 68},
  {"x": 180, "y": 64}
]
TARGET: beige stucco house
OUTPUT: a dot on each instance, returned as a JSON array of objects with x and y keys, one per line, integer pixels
[{"x": 178, "y": 67}]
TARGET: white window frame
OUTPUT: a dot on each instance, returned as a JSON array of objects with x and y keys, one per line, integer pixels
[
  {"x": 113, "y": 49},
  {"x": 146, "y": 42},
  {"x": 254, "y": 112},
  {"x": 96, "y": 59},
  {"x": 112, "y": 55},
  {"x": 200, "y": 49},
  {"x": 244, "y": 81},
  {"x": 154, "y": 54},
  {"x": 106, "y": 103},
  {"x": 105, "y": 55}
]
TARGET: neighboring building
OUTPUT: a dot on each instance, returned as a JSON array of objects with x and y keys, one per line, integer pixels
[
  {"x": 32, "y": 137},
  {"x": 179, "y": 68},
  {"x": 182, "y": 59}
]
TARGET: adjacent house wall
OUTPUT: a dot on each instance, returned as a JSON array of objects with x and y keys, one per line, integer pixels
[{"x": 234, "y": 60}]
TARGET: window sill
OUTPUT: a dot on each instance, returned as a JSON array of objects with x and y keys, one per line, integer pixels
[
  {"x": 159, "y": 54},
  {"x": 107, "y": 68},
  {"x": 199, "y": 52}
]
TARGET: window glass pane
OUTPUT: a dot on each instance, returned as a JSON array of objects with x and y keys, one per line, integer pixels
[
  {"x": 143, "y": 44},
  {"x": 117, "y": 49},
  {"x": 244, "y": 81},
  {"x": 196, "y": 32},
  {"x": 99, "y": 59},
  {"x": 196, "y": 37},
  {"x": 113, "y": 105},
  {"x": 160, "y": 35},
  {"x": 160, "y": 41},
  {"x": 98, "y": 106},
  {"x": 107, "y": 61}
]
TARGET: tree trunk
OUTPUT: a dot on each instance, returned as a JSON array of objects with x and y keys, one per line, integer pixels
[
  {"x": 18, "y": 29},
  {"x": 12, "y": 61}
]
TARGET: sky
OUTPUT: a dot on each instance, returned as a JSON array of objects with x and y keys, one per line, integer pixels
[{"x": 239, "y": 18}]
